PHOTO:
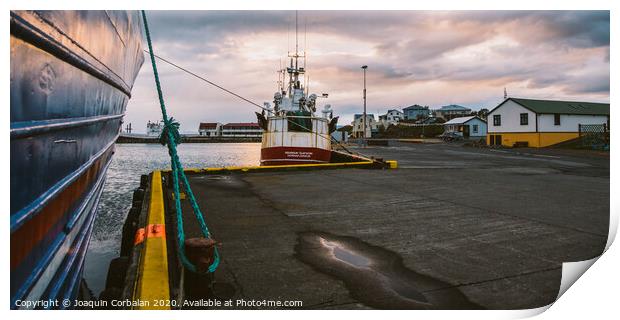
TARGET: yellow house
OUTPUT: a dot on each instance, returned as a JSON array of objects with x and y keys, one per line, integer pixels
[{"x": 541, "y": 123}]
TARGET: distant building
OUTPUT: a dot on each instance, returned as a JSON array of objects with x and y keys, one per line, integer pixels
[
  {"x": 154, "y": 128},
  {"x": 470, "y": 127},
  {"x": 393, "y": 116},
  {"x": 242, "y": 129},
  {"x": 210, "y": 129},
  {"x": 541, "y": 123},
  {"x": 452, "y": 111},
  {"x": 358, "y": 124},
  {"x": 340, "y": 136},
  {"x": 415, "y": 111}
]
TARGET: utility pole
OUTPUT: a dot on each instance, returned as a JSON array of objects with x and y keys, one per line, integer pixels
[{"x": 364, "y": 67}]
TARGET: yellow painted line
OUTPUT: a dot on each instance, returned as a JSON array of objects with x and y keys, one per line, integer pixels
[
  {"x": 152, "y": 284},
  {"x": 290, "y": 166},
  {"x": 393, "y": 164}
]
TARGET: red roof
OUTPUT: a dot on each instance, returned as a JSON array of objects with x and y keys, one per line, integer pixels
[
  {"x": 207, "y": 125},
  {"x": 241, "y": 124}
]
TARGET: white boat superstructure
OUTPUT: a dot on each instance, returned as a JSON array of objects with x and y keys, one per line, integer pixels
[{"x": 293, "y": 133}]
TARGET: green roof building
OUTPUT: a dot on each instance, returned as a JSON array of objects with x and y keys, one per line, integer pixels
[{"x": 541, "y": 123}]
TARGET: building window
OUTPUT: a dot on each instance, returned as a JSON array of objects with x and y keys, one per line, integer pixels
[
  {"x": 556, "y": 119},
  {"x": 475, "y": 128},
  {"x": 524, "y": 119},
  {"x": 497, "y": 120}
]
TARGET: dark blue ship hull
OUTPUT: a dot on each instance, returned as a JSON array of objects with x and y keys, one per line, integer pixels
[{"x": 71, "y": 78}]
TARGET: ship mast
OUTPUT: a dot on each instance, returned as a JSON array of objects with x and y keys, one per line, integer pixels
[
  {"x": 294, "y": 70},
  {"x": 296, "y": 42},
  {"x": 307, "y": 78},
  {"x": 296, "y": 97}
]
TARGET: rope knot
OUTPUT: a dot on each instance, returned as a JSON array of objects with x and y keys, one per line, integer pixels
[{"x": 171, "y": 129}]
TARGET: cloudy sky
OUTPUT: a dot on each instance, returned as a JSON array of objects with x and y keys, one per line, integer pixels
[{"x": 413, "y": 57}]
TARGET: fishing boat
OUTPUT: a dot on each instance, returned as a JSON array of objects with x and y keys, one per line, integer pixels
[
  {"x": 293, "y": 134},
  {"x": 71, "y": 78}
]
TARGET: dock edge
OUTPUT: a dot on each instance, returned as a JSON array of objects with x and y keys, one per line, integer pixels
[{"x": 152, "y": 283}]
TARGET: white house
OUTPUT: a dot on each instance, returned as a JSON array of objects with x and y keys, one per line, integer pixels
[
  {"x": 541, "y": 123},
  {"x": 210, "y": 129},
  {"x": 470, "y": 127},
  {"x": 358, "y": 124},
  {"x": 393, "y": 116}
]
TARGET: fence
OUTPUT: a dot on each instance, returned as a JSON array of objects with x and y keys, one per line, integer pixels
[{"x": 595, "y": 136}]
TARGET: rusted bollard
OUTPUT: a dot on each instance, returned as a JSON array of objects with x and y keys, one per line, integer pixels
[{"x": 201, "y": 253}]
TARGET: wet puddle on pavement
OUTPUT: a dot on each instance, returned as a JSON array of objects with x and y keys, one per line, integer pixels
[
  {"x": 344, "y": 255},
  {"x": 376, "y": 276}
]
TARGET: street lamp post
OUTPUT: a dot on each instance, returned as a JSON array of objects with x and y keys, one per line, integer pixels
[{"x": 364, "y": 67}]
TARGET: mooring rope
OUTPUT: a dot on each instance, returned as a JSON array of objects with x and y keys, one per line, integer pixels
[{"x": 170, "y": 136}]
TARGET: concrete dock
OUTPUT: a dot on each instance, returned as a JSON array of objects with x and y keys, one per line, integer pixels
[{"x": 468, "y": 228}]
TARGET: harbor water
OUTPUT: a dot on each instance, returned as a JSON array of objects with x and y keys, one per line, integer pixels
[{"x": 129, "y": 162}]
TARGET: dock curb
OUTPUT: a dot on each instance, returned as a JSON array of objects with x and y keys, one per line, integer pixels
[{"x": 152, "y": 284}]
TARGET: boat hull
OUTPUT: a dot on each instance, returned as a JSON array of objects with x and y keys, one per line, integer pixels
[
  {"x": 285, "y": 155},
  {"x": 294, "y": 139},
  {"x": 71, "y": 78}
]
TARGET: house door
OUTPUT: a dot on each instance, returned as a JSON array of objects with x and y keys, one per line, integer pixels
[
  {"x": 498, "y": 140},
  {"x": 466, "y": 131}
]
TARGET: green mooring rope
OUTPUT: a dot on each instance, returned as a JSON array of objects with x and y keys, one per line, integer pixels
[{"x": 170, "y": 136}]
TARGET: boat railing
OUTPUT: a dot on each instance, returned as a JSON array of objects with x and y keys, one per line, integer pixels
[{"x": 304, "y": 117}]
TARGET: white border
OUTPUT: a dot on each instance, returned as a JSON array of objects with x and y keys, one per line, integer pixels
[{"x": 593, "y": 295}]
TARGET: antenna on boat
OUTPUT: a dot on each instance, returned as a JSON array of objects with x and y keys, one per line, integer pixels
[
  {"x": 307, "y": 80},
  {"x": 288, "y": 36},
  {"x": 305, "y": 41},
  {"x": 279, "y": 83},
  {"x": 283, "y": 71},
  {"x": 290, "y": 78},
  {"x": 296, "y": 32},
  {"x": 296, "y": 51}
]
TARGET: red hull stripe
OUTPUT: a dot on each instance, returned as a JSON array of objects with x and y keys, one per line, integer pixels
[
  {"x": 31, "y": 233},
  {"x": 294, "y": 155}
]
